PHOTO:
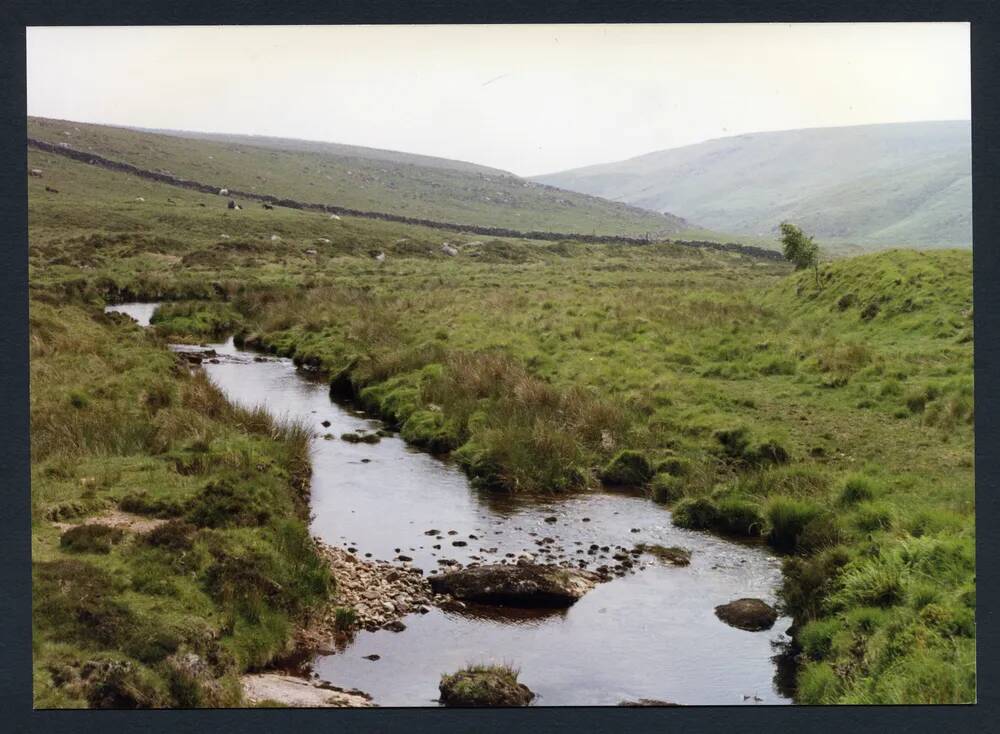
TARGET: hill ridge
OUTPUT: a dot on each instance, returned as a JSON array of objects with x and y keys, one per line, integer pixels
[
  {"x": 63, "y": 149},
  {"x": 881, "y": 184}
]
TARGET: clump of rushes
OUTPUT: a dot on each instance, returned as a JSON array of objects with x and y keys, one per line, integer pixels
[
  {"x": 344, "y": 618},
  {"x": 788, "y": 517},
  {"x": 738, "y": 516},
  {"x": 91, "y": 538},
  {"x": 627, "y": 469},
  {"x": 857, "y": 488},
  {"x": 666, "y": 488},
  {"x": 484, "y": 685},
  {"x": 737, "y": 446},
  {"x": 698, "y": 513}
]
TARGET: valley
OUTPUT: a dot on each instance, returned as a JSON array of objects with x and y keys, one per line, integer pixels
[{"x": 807, "y": 440}]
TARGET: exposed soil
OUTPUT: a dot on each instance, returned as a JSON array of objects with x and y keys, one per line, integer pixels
[
  {"x": 116, "y": 519},
  {"x": 300, "y": 693}
]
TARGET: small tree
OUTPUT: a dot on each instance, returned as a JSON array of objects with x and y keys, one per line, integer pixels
[{"x": 799, "y": 248}]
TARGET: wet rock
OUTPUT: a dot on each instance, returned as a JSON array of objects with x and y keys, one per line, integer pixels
[
  {"x": 551, "y": 519},
  {"x": 325, "y": 424},
  {"x": 459, "y": 543},
  {"x": 394, "y": 626},
  {"x": 525, "y": 584},
  {"x": 673, "y": 555},
  {"x": 747, "y": 614},
  {"x": 373, "y": 657},
  {"x": 432, "y": 532}
]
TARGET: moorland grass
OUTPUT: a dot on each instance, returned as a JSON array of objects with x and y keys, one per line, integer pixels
[{"x": 775, "y": 404}]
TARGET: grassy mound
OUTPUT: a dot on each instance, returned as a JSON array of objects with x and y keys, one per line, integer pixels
[{"x": 484, "y": 685}]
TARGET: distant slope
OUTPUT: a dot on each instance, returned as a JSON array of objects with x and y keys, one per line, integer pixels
[
  {"x": 895, "y": 184},
  {"x": 361, "y": 178}
]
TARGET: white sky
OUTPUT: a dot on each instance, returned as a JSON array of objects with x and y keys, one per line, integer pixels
[{"x": 527, "y": 99}]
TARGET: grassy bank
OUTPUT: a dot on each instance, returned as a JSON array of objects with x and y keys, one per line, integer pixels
[
  {"x": 835, "y": 421},
  {"x": 169, "y": 544}
]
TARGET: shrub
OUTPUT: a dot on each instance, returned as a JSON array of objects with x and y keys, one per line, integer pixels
[
  {"x": 821, "y": 532},
  {"x": 344, "y": 618},
  {"x": 873, "y": 582},
  {"x": 865, "y": 620},
  {"x": 122, "y": 684},
  {"x": 666, "y": 488},
  {"x": 91, "y": 538},
  {"x": 141, "y": 503},
  {"x": 76, "y": 601},
  {"x": 734, "y": 441},
  {"x": 229, "y": 503},
  {"x": 695, "y": 514},
  {"x": 818, "y": 683},
  {"x": 674, "y": 465},
  {"x": 767, "y": 452},
  {"x": 736, "y": 445},
  {"x": 739, "y": 517},
  {"x": 857, "y": 488},
  {"x": 429, "y": 430},
  {"x": 816, "y": 637},
  {"x": 788, "y": 518},
  {"x": 806, "y": 582},
  {"x": 175, "y": 535},
  {"x": 873, "y": 516},
  {"x": 627, "y": 468}
]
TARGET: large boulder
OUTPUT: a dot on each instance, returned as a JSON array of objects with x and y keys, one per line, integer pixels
[
  {"x": 747, "y": 614},
  {"x": 481, "y": 685},
  {"x": 523, "y": 585}
]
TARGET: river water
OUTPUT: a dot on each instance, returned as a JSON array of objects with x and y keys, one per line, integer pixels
[{"x": 649, "y": 634}]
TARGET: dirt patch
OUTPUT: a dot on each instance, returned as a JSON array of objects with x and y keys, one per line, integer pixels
[
  {"x": 117, "y": 519},
  {"x": 299, "y": 692}
]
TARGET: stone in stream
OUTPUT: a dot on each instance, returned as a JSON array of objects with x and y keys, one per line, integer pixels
[
  {"x": 373, "y": 657},
  {"x": 484, "y": 686},
  {"x": 752, "y": 615},
  {"x": 325, "y": 424},
  {"x": 394, "y": 626},
  {"x": 526, "y": 584}
]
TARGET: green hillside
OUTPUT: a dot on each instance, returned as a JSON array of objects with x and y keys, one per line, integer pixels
[
  {"x": 362, "y": 179},
  {"x": 874, "y": 185}
]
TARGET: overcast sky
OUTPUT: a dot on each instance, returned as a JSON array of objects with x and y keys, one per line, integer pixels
[{"x": 527, "y": 99}]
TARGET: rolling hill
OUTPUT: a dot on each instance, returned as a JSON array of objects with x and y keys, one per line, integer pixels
[
  {"x": 361, "y": 178},
  {"x": 872, "y": 185}
]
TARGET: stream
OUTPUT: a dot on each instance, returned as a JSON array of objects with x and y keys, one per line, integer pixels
[{"x": 649, "y": 634}]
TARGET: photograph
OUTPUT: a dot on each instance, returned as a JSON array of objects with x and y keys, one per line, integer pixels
[{"x": 500, "y": 365}]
